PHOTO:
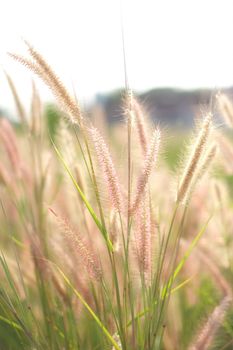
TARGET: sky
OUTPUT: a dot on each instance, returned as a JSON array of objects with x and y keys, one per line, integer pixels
[{"x": 169, "y": 43}]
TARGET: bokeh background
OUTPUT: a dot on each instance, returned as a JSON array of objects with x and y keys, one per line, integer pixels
[{"x": 179, "y": 53}]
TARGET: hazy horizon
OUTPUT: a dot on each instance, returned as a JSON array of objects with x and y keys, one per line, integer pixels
[{"x": 177, "y": 44}]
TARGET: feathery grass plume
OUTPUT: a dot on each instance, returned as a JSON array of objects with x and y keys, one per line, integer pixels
[
  {"x": 194, "y": 159},
  {"x": 8, "y": 137},
  {"x": 128, "y": 108},
  {"x": 114, "y": 231},
  {"x": 90, "y": 262},
  {"x": 205, "y": 163},
  {"x": 207, "y": 159},
  {"x": 209, "y": 261},
  {"x": 150, "y": 160},
  {"x": 128, "y": 100},
  {"x": 225, "y": 108},
  {"x": 107, "y": 166},
  {"x": 144, "y": 238},
  {"x": 70, "y": 261},
  {"x": 19, "y": 105},
  {"x": 209, "y": 330},
  {"x": 41, "y": 68},
  {"x": 140, "y": 124}
]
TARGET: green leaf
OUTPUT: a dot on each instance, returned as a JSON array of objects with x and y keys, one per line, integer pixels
[
  {"x": 89, "y": 309},
  {"x": 11, "y": 323},
  {"x": 175, "y": 289},
  {"x": 186, "y": 256}
]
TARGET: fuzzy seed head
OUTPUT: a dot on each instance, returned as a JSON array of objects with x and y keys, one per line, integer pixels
[
  {"x": 107, "y": 166},
  {"x": 140, "y": 124},
  {"x": 207, "y": 334},
  {"x": 90, "y": 262},
  {"x": 150, "y": 160},
  {"x": 144, "y": 238},
  {"x": 40, "y": 67},
  {"x": 193, "y": 161},
  {"x": 114, "y": 231}
]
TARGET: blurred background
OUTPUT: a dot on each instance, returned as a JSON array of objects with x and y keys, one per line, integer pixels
[{"x": 179, "y": 53}]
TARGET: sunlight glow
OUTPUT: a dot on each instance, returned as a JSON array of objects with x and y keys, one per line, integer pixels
[{"x": 175, "y": 43}]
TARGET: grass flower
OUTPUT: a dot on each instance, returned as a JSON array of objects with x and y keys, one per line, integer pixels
[
  {"x": 197, "y": 152},
  {"x": 109, "y": 172},
  {"x": 149, "y": 162}
]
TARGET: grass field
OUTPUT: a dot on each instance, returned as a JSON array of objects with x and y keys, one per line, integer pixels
[{"x": 113, "y": 237}]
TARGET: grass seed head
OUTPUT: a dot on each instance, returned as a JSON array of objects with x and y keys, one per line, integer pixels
[{"x": 193, "y": 161}]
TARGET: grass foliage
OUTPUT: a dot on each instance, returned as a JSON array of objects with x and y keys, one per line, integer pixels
[{"x": 108, "y": 241}]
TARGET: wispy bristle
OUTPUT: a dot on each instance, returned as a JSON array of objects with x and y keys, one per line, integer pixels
[
  {"x": 114, "y": 231},
  {"x": 144, "y": 238},
  {"x": 128, "y": 100},
  {"x": 150, "y": 160},
  {"x": 89, "y": 261},
  {"x": 128, "y": 108},
  {"x": 194, "y": 158},
  {"x": 207, "y": 160},
  {"x": 59, "y": 88},
  {"x": 107, "y": 166},
  {"x": 205, "y": 163},
  {"x": 209, "y": 261},
  {"x": 208, "y": 332},
  {"x": 41, "y": 68},
  {"x": 140, "y": 124}
]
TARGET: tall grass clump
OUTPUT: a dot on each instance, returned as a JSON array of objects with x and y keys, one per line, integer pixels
[{"x": 95, "y": 251}]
